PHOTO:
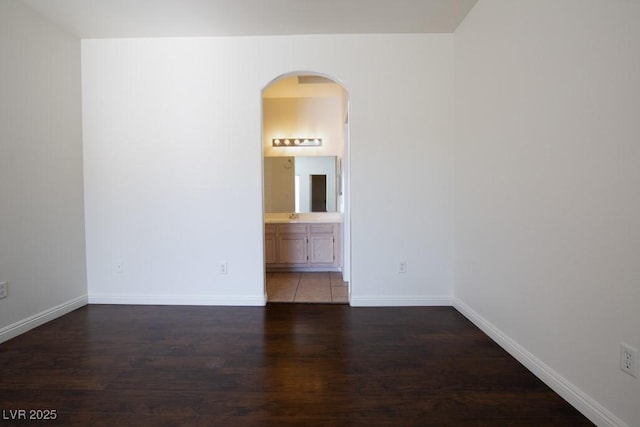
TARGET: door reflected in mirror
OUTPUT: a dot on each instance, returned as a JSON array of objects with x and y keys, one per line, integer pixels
[
  {"x": 318, "y": 193},
  {"x": 300, "y": 184}
]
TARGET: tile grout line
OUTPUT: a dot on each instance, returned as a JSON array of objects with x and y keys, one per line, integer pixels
[
  {"x": 295, "y": 294},
  {"x": 331, "y": 288}
]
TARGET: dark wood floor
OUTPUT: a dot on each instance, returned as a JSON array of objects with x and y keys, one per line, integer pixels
[{"x": 279, "y": 365}]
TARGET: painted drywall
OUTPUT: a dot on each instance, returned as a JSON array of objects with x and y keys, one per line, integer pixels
[
  {"x": 305, "y": 118},
  {"x": 173, "y": 164},
  {"x": 42, "y": 252},
  {"x": 547, "y": 201}
]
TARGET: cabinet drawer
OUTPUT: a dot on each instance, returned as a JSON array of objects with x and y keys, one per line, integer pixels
[
  {"x": 292, "y": 228},
  {"x": 321, "y": 228},
  {"x": 270, "y": 229}
]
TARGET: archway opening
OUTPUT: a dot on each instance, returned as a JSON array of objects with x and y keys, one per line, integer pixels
[{"x": 305, "y": 151}]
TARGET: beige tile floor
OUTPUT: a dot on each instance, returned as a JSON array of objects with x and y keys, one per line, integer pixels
[{"x": 321, "y": 287}]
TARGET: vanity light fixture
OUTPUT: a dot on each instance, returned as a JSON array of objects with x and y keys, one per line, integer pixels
[{"x": 296, "y": 142}]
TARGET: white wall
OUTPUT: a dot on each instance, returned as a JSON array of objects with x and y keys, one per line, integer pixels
[
  {"x": 547, "y": 206},
  {"x": 173, "y": 155},
  {"x": 41, "y": 196}
]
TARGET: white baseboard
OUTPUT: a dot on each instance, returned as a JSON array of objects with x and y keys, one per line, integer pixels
[
  {"x": 176, "y": 300},
  {"x": 41, "y": 318},
  {"x": 572, "y": 394},
  {"x": 401, "y": 301}
]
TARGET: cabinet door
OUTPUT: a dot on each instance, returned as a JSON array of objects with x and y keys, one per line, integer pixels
[
  {"x": 321, "y": 248},
  {"x": 270, "y": 251},
  {"x": 292, "y": 249}
]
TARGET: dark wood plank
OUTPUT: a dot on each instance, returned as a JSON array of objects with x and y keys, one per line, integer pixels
[{"x": 283, "y": 364}]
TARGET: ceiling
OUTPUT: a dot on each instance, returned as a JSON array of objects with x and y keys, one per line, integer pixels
[{"x": 201, "y": 18}]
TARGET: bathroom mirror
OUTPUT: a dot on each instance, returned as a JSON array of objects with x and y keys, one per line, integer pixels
[{"x": 300, "y": 184}]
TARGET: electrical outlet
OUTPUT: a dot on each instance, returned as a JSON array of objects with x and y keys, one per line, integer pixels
[
  {"x": 119, "y": 267},
  {"x": 4, "y": 289},
  {"x": 629, "y": 360},
  {"x": 402, "y": 267},
  {"x": 222, "y": 269}
]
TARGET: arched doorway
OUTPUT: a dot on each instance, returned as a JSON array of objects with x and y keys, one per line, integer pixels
[{"x": 305, "y": 146}]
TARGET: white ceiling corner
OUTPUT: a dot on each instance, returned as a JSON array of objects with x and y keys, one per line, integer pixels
[{"x": 201, "y": 18}]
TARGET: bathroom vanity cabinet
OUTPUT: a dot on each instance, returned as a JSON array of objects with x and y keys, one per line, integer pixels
[{"x": 302, "y": 246}]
